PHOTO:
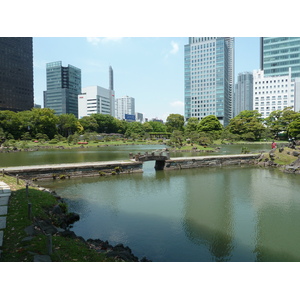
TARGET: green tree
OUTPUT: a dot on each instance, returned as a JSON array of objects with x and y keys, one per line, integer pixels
[
  {"x": 89, "y": 123},
  {"x": 245, "y": 122},
  {"x": 209, "y": 123},
  {"x": 134, "y": 130},
  {"x": 67, "y": 124},
  {"x": 273, "y": 122},
  {"x": 147, "y": 127},
  {"x": 38, "y": 120},
  {"x": 176, "y": 139},
  {"x": 191, "y": 125},
  {"x": 175, "y": 122},
  {"x": 158, "y": 126},
  {"x": 121, "y": 126},
  {"x": 294, "y": 127},
  {"x": 11, "y": 124},
  {"x": 288, "y": 116},
  {"x": 280, "y": 120},
  {"x": 106, "y": 123}
]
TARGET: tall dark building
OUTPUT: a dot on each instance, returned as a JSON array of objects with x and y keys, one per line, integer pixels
[
  {"x": 63, "y": 88},
  {"x": 111, "y": 78},
  {"x": 16, "y": 73}
]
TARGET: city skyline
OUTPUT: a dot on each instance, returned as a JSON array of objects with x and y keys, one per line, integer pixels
[{"x": 151, "y": 70}]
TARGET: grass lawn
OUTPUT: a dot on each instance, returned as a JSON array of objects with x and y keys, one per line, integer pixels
[
  {"x": 16, "y": 250},
  {"x": 285, "y": 157}
]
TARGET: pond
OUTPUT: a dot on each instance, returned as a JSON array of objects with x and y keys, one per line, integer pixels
[{"x": 197, "y": 215}]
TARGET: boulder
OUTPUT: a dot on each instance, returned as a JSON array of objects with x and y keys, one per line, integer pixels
[{"x": 56, "y": 210}]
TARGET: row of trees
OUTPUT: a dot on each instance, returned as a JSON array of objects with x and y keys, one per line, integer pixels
[
  {"x": 248, "y": 125},
  {"x": 43, "y": 123}
]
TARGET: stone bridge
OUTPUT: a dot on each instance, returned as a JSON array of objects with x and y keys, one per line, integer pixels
[{"x": 160, "y": 156}]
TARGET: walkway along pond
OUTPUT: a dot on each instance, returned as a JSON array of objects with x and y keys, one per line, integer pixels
[{"x": 62, "y": 171}]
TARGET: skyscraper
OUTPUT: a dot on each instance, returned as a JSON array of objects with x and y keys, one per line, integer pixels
[
  {"x": 16, "y": 73},
  {"x": 209, "y": 76},
  {"x": 274, "y": 92},
  {"x": 243, "y": 97},
  {"x": 63, "y": 88},
  {"x": 124, "y": 106},
  {"x": 111, "y": 78},
  {"x": 96, "y": 100},
  {"x": 278, "y": 54}
]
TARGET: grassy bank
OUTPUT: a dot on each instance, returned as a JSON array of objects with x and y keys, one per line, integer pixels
[
  {"x": 285, "y": 157},
  {"x": 23, "y": 145},
  {"x": 16, "y": 249}
]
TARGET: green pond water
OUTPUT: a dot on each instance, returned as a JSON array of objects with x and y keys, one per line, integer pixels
[{"x": 206, "y": 214}]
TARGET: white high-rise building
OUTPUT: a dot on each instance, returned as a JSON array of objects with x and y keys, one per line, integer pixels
[
  {"x": 124, "y": 106},
  {"x": 96, "y": 100},
  {"x": 273, "y": 93}
]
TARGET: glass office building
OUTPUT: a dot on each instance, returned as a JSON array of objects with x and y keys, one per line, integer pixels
[
  {"x": 209, "y": 75},
  {"x": 278, "y": 54},
  {"x": 243, "y": 97},
  {"x": 63, "y": 88},
  {"x": 16, "y": 73}
]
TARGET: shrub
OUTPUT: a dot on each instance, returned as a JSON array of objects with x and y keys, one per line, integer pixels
[
  {"x": 245, "y": 150},
  {"x": 53, "y": 141},
  {"x": 63, "y": 207},
  {"x": 118, "y": 169}
]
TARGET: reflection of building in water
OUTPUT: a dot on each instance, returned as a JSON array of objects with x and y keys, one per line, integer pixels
[
  {"x": 278, "y": 222},
  {"x": 208, "y": 217}
]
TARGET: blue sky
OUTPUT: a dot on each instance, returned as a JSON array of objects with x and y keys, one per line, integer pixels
[{"x": 150, "y": 69}]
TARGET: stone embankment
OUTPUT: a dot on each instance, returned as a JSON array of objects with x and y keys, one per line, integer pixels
[
  {"x": 210, "y": 161},
  {"x": 62, "y": 171}
]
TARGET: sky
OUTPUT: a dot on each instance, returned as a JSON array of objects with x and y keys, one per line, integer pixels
[{"x": 149, "y": 69}]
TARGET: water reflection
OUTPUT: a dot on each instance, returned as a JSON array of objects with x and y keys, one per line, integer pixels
[{"x": 208, "y": 214}]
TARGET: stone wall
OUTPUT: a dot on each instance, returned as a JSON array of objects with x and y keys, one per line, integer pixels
[
  {"x": 75, "y": 170},
  {"x": 210, "y": 161}
]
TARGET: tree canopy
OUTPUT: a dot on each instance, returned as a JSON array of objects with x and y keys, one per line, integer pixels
[
  {"x": 175, "y": 122},
  {"x": 248, "y": 124}
]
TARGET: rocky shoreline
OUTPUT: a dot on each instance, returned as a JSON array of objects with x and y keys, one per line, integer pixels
[{"x": 60, "y": 222}]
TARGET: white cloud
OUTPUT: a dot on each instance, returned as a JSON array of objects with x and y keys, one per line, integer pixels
[
  {"x": 175, "y": 47},
  {"x": 96, "y": 40},
  {"x": 177, "y": 104},
  {"x": 93, "y": 40},
  {"x": 173, "y": 51}
]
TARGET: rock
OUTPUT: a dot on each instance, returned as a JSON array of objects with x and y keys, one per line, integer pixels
[
  {"x": 47, "y": 226},
  {"x": 68, "y": 234},
  {"x": 30, "y": 230},
  {"x": 27, "y": 239},
  {"x": 56, "y": 210},
  {"x": 296, "y": 153},
  {"x": 145, "y": 259},
  {"x": 42, "y": 258},
  {"x": 72, "y": 218}
]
